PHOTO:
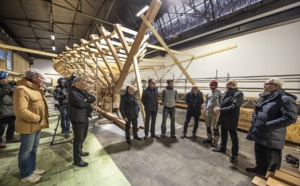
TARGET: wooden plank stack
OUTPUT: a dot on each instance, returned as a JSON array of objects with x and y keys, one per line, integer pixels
[{"x": 282, "y": 177}]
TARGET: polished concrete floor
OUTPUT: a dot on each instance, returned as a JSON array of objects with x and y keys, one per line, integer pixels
[{"x": 148, "y": 162}]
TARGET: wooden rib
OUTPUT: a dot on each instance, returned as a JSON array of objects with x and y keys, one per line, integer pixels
[
  {"x": 152, "y": 12},
  {"x": 161, "y": 41},
  {"x": 103, "y": 56},
  {"x": 121, "y": 36},
  {"x": 111, "y": 47},
  {"x": 87, "y": 49}
]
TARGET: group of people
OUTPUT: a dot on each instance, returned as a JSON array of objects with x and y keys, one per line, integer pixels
[
  {"x": 24, "y": 109},
  {"x": 273, "y": 112}
]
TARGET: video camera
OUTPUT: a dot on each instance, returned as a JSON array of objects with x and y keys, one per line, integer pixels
[{"x": 66, "y": 82}]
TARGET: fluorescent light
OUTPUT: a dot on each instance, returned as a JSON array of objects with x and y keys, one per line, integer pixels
[
  {"x": 52, "y": 37},
  {"x": 142, "y": 11},
  {"x": 53, "y": 48}
]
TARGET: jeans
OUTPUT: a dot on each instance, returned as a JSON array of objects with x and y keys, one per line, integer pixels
[
  {"x": 10, "y": 121},
  {"x": 152, "y": 115},
  {"x": 134, "y": 128},
  {"x": 166, "y": 112},
  {"x": 267, "y": 158},
  {"x": 80, "y": 132},
  {"x": 65, "y": 122},
  {"x": 234, "y": 140},
  {"x": 188, "y": 117},
  {"x": 27, "y": 153}
]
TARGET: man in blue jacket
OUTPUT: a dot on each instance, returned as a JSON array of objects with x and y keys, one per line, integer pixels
[
  {"x": 194, "y": 100},
  {"x": 273, "y": 112}
]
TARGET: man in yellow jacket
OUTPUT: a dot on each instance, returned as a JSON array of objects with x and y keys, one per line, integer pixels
[{"x": 31, "y": 112}]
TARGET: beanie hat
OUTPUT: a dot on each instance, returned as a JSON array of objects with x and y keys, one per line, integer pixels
[
  {"x": 3, "y": 75},
  {"x": 214, "y": 83}
]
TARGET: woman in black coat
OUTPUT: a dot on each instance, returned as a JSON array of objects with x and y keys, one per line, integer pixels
[{"x": 129, "y": 109}]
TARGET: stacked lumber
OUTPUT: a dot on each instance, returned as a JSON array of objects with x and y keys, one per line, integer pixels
[{"x": 281, "y": 177}]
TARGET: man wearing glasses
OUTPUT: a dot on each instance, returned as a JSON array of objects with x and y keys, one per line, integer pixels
[
  {"x": 229, "y": 117},
  {"x": 273, "y": 112}
]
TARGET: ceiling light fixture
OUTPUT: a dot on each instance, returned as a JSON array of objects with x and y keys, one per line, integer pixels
[
  {"x": 142, "y": 11},
  {"x": 53, "y": 48},
  {"x": 52, "y": 37}
]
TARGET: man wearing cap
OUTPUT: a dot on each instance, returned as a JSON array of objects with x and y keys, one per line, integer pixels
[
  {"x": 229, "y": 116},
  {"x": 213, "y": 99},
  {"x": 7, "y": 116},
  {"x": 194, "y": 100}
]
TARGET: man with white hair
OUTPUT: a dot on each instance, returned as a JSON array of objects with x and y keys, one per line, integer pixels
[
  {"x": 79, "y": 103},
  {"x": 229, "y": 116},
  {"x": 273, "y": 112},
  {"x": 31, "y": 111}
]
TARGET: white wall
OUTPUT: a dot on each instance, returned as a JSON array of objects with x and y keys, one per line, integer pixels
[
  {"x": 275, "y": 51},
  {"x": 46, "y": 67}
]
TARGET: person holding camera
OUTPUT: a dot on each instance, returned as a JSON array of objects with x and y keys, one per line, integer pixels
[
  {"x": 60, "y": 94},
  {"x": 7, "y": 116},
  {"x": 79, "y": 103}
]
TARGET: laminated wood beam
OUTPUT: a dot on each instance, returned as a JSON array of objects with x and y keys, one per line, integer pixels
[
  {"x": 273, "y": 182},
  {"x": 27, "y": 50},
  {"x": 87, "y": 49},
  {"x": 259, "y": 181},
  {"x": 173, "y": 51},
  {"x": 103, "y": 56},
  {"x": 140, "y": 87},
  {"x": 161, "y": 41},
  {"x": 286, "y": 178},
  {"x": 111, "y": 47},
  {"x": 112, "y": 117},
  {"x": 121, "y": 36},
  {"x": 151, "y": 14}
]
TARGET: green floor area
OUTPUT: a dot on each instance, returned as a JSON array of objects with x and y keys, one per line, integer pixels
[{"x": 57, "y": 161}]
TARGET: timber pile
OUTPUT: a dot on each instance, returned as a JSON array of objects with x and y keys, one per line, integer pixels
[{"x": 282, "y": 177}]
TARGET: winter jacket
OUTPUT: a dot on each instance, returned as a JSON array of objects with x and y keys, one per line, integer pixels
[
  {"x": 30, "y": 108},
  {"x": 79, "y": 109},
  {"x": 129, "y": 106},
  {"x": 230, "y": 109},
  {"x": 6, "y": 101},
  {"x": 150, "y": 99},
  {"x": 194, "y": 102},
  {"x": 169, "y": 97},
  {"x": 272, "y": 113},
  {"x": 213, "y": 99}
]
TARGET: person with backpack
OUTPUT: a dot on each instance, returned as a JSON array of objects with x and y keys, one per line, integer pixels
[
  {"x": 274, "y": 111},
  {"x": 229, "y": 111}
]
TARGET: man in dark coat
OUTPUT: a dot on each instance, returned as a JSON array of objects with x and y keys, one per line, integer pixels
[
  {"x": 7, "y": 116},
  {"x": 79, "y": 102},
  {"x": 229, "y": 117},
  {"x": 273, "y": 112},
  {"x": 194, "y": 100},
  {"x": 129, "y": 109},
  {"x": 150, "y": 102}
]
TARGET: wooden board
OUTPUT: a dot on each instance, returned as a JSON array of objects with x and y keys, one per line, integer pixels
[
  {"x": 258, "y": 181},
  {"x": 290, "y": 172},
  {"x": 286, "y": 178},
  {"x": 273, "y": 182}
]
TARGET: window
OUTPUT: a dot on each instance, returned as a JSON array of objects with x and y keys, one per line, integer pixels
[{"x": 8, "y": 60}]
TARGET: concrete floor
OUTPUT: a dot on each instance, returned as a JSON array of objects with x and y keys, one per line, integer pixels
[
  {"x": 152, "y": 162},
  {"x": 181, "y": 161}
]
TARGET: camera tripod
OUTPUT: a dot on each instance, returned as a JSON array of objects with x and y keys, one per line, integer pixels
[{"x": 55, "y": 131}]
